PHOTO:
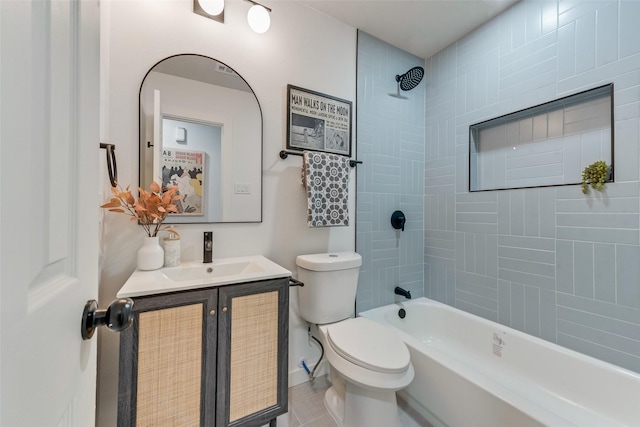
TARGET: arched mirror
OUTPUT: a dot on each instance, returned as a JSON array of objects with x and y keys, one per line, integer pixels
[{"x": 201, "y": 129}]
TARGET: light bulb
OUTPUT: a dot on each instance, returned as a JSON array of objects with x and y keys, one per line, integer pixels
[
  {"x": 259, "y": 18},
  {"x": 212, "y": 7}
]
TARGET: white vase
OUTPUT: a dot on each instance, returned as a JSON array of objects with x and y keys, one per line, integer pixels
[{"x": 150, "y": 255}]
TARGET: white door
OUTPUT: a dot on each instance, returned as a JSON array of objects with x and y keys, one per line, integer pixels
[{"x": 49, "y": 94}]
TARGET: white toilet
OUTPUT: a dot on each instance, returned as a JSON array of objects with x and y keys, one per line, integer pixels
[{"x": 369, "y": 362}]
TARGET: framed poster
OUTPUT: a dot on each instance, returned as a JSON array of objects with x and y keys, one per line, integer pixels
[
  {"x": 318, "y": 122},
  {"x": 185, "y": 169}
]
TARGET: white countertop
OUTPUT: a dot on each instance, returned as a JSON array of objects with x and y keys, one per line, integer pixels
[{"x": 195, "y": 275}]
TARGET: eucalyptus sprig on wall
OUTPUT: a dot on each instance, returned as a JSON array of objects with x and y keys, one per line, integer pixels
[{"x": 594, "y": 176}]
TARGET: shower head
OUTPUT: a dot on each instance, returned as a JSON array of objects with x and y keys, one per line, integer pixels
[{"x": 410, "y": 79}]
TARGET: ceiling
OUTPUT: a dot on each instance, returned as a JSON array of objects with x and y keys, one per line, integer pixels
[
  {"x": 202, "y": 69},
  {"x": 421, "y": 27}
]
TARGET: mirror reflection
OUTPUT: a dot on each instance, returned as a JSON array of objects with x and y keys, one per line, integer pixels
[{"x": 201, "y": 129}]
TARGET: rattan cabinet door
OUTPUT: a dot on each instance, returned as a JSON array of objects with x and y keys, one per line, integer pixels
[
  {"x": 252, "y": 353},
  {"x": 168, "y": 361}
]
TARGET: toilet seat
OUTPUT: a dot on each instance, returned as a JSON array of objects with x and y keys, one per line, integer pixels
[{"x": 369, "y": 345}]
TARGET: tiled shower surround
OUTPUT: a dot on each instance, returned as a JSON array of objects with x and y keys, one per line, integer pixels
[
  {"x": 391, "y": 146},
  {"x": 548, "y": 261}
]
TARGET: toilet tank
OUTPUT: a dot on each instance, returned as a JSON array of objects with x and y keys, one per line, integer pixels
[{"x": 330, "y": 283}]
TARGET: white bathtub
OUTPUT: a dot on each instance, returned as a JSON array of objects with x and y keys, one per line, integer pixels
[{"x": 471, "y": 372}]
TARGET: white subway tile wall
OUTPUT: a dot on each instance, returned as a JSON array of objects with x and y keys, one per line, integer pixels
[{"x": 552, "y": 262}]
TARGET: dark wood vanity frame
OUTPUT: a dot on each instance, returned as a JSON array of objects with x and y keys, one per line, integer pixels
[{"x": 216, "y": 339}]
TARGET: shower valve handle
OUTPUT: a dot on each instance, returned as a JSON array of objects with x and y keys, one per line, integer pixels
[{"x": 398, "y": 220}]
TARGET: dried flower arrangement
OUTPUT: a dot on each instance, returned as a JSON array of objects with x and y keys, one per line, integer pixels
[{"x": 151, "y": 208}]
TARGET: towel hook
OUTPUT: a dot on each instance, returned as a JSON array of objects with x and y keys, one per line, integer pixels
[{"x": 112, "y": 166}]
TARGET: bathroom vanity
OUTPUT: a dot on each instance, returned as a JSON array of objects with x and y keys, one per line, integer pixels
[{"x": 208, "y": 345}]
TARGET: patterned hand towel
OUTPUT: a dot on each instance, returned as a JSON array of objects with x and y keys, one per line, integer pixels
[{"x": 326, "y": 181}]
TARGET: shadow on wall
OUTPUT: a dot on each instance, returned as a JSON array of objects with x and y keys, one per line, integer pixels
[{"x": 117, "y": 263}]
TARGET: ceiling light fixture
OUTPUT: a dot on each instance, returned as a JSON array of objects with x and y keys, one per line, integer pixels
[
  {"x": 259, "y": 17},
  {"x": 213, "y": 9}
]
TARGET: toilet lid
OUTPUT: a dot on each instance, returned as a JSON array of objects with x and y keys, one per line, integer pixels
[{"x": 370, "y": 345}]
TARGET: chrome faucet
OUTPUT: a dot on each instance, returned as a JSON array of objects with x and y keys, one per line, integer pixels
[{"x": 403, "y": 292}]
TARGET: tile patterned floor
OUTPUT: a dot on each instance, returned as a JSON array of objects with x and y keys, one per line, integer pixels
[{"x": 306, "y": 408}]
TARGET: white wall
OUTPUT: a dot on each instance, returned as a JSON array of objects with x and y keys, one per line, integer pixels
[{"x": 302, "y": 48}]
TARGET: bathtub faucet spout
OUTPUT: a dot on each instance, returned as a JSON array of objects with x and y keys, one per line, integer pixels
[{"x": 404, "y": 293}]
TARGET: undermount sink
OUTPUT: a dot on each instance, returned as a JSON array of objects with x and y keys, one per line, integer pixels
[{"x": 192, "y": 275}]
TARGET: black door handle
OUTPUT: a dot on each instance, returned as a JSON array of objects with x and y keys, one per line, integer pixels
[{"x": 117, "y": 317}]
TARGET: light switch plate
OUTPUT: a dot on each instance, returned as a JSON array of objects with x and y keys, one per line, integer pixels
[{"x": 241, "y": 188}]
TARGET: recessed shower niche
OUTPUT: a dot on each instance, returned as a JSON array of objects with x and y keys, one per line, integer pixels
[{"x": 549, "y": 144}]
